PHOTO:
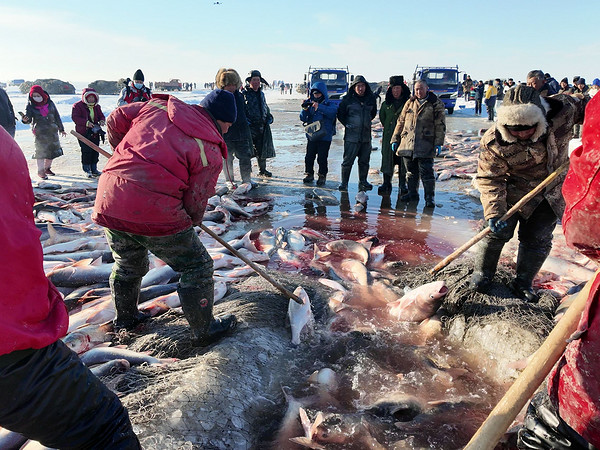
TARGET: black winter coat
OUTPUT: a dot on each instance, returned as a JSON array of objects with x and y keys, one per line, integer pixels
[{"x": 356, "y": 114}]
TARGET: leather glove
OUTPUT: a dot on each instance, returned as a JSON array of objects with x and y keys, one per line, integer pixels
[
  {"x": 497, "y": 225},
  {"x": 438, "y": 150},
  {"x": 394, "y": 147}
]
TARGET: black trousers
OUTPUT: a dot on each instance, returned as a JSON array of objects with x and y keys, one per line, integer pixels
[
  {"x": 320, "y": 151},
  {"x": 48, "y": 395},
  {"x": 478, "y": 106},
  {"x": 89, "y": 156}
]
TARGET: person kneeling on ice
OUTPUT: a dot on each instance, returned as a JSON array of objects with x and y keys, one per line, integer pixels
[
  {"x": 528, "y": 142},
  {"x": 567, "y": 415},
  {"x": 47, "y": 394},
  {"x": 153, "y": 190},
  {"x": 88, "y": 118}
]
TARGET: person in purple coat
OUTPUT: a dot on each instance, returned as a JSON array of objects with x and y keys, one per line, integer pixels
[{"x": 89, "y": 120}]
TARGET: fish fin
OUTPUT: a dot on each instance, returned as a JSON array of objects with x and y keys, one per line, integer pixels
[
  {"x": 306, "y": 442},
  {"x": 82, "y": 262},
  {"x": 318, "y": 421},
  {"x": 97, "y": 261},
  {"x": 305, "y": 423}
]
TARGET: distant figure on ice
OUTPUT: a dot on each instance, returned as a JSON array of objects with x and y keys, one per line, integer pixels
[
  {"x": 239, "y": 137},
  {"x": 41, "y": 112},
  {"x": 396, "y": 97},
  {"x": 88, "y": 118},
  {"x": 579, "y": 87},
  {"x": 260, "y": 119},
  {"x": 418, "y": 137},
  {"x": 517, "y": 153},
  {"x": 7, "y": 113},
  {"x": 318, "y": 108},
  {"x": 134, "y": 91},
  {"x": 479, "y": 91},
  {"x": 467, "y": 85},
  {"x": 356, "y": 111},
  {"x": 491, "y": 93}
]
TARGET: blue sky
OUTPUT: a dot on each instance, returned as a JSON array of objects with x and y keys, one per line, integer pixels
[{"x": 82, "y": 42}]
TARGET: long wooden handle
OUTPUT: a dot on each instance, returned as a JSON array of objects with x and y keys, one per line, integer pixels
[
  {"x": 483, "y": 233},
  {"x": 256, "y": 268},
  {"x": 90, "y": 144},
  {"x": 530, "y": 379}
]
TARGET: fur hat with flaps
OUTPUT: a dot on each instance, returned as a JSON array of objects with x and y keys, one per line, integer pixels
[
  {"x": 228, "y": 77},
  {"x": 396, "y": 80},
  {"x": 256, "y": 73},
  {"x": 522, "y": 108}
]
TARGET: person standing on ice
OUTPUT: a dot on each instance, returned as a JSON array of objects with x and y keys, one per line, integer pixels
[
  {"x": 7, "y": 113},
  {"x": 395, "y": 98},
  {"x": 418, "y": 137},
  {"x": 356, "y": 111},
  {"x": 567, "y": 414},
  {"x": 239, "y": 137},
  {"x": 46, "y": 392},
  {"x": 45, "y": 122},
  {"x": 134, "y": 91},
  {"x": 260, "y": 119},
  {"x": 153, "y": 191},
  {"x": 529, "y": 141},
  {"x": 491, "y": 94},
  {"x": 479, "y": 90},
  {"x": 88, "y": 119},
  {"x": 318, "y": 108}
]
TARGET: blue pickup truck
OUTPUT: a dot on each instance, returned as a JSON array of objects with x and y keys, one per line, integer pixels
[
  {"x": 336, "y": 79},
  {"x": 442, "y": 81}
]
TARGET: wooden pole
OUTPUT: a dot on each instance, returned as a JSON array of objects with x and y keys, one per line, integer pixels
[
  {"x": 90, "y": 144},
  {"x": 530, "y": 379},
  {"x": 256, "y": 268},
  {"x": 483, "y": 233}
]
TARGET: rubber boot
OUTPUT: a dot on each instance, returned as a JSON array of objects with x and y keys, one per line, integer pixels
[
  {"x": 94, "y": 170},
  {"x": 486, "y": 262},
  {"x": 88, "y": 170},
  {"x": 363, "y": 184},
  {"x": 321, "y": 180},
  {"x": 262, "y": 167},
  {"x": 309, "y": 178},
  {"x": 386, "y": 187},
  {"x": 345, "y": 178},
  {"x": 412, "y": 183},
  {"x": 529, "y": 263},
  {"x": 125, "y": 294},
  {"x": 197, "y": 304},
  {"x": 429, "y": 189}
]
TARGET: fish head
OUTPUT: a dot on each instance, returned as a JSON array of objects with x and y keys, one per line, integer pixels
[{"x": 77, "y": 342}]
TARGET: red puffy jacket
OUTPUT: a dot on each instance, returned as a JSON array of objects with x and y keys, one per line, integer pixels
[
  {"x": 167, "y": 159},
  {"x": 574, "y": 385},
  {"x": 33, "y": 313}
]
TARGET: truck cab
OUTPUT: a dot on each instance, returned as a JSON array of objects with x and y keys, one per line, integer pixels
[
  {"x": 335, "y": 78},
  {"x": 442, "y": 81}
]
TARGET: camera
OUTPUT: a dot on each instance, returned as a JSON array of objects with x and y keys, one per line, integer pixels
[{"x": 307, "y": 103}]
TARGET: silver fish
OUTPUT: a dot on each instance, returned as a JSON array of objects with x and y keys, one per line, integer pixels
[
  {"x": 300, "y": 316},
  {"x": 81, "y": 273},
  {"x": 231, "y": 205},
  {"x": 347, "y": 246},
  {"x": 420, "y": 303},
  {"x": 101, "y": 355},
  {"x": 295, "y": 240}
]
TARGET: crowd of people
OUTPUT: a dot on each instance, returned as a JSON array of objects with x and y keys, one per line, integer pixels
[{"x": 149, "y": 200}]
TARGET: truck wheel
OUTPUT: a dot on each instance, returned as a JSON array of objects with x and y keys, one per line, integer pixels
[{"x": 450, "y": 110}]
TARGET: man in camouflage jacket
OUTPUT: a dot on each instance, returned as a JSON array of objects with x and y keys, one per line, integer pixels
[{"x": 529, "y": 141}]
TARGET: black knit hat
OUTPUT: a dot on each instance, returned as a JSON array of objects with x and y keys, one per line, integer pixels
[
  {"x": 396, "y": 80},
  {"x": 221, "y": 104},
  {"x": 138, "y": 75},
  {"x": 565, "y": 80}
]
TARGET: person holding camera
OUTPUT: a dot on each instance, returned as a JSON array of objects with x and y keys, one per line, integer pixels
[
  {"x": 317, "y": 108},
  {"x": 134, "y": 91},
  {"x": 88, "y": 119}
]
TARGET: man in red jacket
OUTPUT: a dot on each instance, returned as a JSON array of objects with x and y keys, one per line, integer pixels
[
  {"x": 567, "y": 416},
  {"x": 153, "y": 190},
  {"x": 46, "y": 393}
]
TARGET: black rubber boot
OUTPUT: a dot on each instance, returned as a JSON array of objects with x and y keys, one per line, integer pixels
[
  {"x": 386, "y": 187},
  {"x": 309, "y": 178},
  {"x": 321, "y": 180},
  {"x": 88, "y": 170},
  {"x": 94, "y": 170},
  {"x": 125, "y": 294},
  {"x": 412, "y": 184},
  {"x": 486, "y": 262},
  {"x": 529, "y": 262},
  {"x": 429, "y": 189},
  {"x": 345, "y": 178},
  {"x": 197, "y": 304}
]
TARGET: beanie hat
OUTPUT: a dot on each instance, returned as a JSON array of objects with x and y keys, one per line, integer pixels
[
  {"x": 138, "y": 75},
  {"x": 255, "y": 73},
  {"x": 581, "y": 81},
  {"x": 227, "y": 77},
  {"x": 596, "y": 82},
  {"x": 565, "y": 80},
  {"x": 396, "y": 80},
  {"x": 522, "y": 105},
  {"x": 37, "y": 89},
  {"x": 89, "y": 92},
  {"x": 221, "y": 105}
]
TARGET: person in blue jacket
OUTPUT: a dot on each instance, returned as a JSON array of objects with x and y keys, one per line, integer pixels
[{"x": 318, "y": 108}]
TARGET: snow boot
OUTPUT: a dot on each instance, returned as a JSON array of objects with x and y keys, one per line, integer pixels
[
  {"x": 412, "y": 194},
  {"x": 363, "y": 184},
  {"x": 309, "y": 178},
  {"x": 386, "y": 187},
  {"x": 94, "y": 170},
  {"x": 88, "y": 170},
  {"x": 125, "y": 294},
  {"x": 345, "y": 178},
  {"x": 529, "y": 263},
  {"x": 321, "y": 180},
  {"x": 197, "y": 304},
  {"x": 429, "y": 189},
  {"x": 486, "y": 262}
]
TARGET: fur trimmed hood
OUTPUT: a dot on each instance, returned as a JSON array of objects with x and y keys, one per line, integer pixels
[
  {"x": 522, "y": 105},
  {"x": 226, "y": 77}
]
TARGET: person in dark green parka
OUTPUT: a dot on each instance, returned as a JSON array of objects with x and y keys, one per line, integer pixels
[{"x": 396, "y": 96}]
